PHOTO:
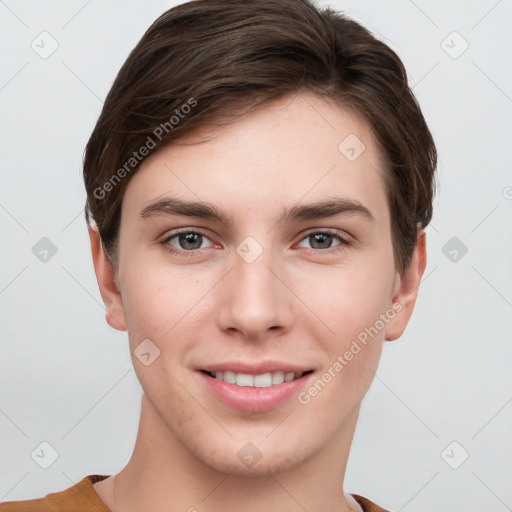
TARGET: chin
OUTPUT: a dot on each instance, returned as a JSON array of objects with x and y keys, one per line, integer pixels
[
  {"x": 263, "y": 458},
  {"x": 265, "y": 466}
]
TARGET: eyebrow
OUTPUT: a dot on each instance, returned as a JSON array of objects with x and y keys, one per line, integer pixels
[{"x": 318, "y": 210}]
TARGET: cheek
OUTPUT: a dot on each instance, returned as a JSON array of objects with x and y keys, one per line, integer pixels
[
  {"x": 347, "y": 299},
  {"x": 157, "y": 300},
  {"x": 351, "y": 304}
]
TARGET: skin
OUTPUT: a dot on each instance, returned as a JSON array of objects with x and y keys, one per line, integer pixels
[{"x": 293, "y": 303}]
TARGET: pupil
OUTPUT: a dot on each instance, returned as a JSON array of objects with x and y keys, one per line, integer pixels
[
  {"x": 321, "y": 238},
  {"x": 190, "y": 238}
]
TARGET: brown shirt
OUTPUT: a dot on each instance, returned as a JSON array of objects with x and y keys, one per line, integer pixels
[{"x": 82, "y": 497}]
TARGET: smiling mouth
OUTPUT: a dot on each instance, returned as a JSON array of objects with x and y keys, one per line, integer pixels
[{"x": 263, "y": 380}]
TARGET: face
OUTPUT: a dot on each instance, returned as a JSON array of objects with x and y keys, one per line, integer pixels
[{"x": 266, "y": 311}]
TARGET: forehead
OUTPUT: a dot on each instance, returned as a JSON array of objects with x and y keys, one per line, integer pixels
[{"x": 297, "y": 149}]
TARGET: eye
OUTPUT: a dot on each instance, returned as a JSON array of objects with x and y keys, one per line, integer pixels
[
  {"x": 185, "y": 241},
  {"x": 188, "y": 242},
  {"x": 321, "y": 241}
]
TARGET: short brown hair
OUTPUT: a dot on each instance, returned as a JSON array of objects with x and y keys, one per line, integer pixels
[{"x": 222, "y": 58}]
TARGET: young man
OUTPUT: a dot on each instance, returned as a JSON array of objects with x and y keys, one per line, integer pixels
[{"x": 260, "y": 179}]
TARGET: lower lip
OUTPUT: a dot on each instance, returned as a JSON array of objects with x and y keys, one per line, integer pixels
[{"x": 254, "y": 399}]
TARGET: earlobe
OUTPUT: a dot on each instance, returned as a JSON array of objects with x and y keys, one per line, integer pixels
[
  {"x": 406, "y": 289},
  {"x": 105, "y": 275}
]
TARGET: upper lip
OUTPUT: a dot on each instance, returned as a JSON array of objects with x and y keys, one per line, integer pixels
[{"x": 255, "y": 368}]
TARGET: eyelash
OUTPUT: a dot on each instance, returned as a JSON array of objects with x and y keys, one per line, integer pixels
[{"x": 343, "y": 242}]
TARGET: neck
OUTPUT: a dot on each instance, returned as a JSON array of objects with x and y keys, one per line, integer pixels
[{"x": 163, "y": 475}]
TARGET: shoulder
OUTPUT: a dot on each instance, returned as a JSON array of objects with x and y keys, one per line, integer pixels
[
  {"x": 366, "y": 504},
  {"x": 80, "y": 497}
]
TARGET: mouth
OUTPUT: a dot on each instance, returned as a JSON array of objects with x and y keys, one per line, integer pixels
[
  {"x": 255, "y": 386},
  {"x": 262, "y": 380}
]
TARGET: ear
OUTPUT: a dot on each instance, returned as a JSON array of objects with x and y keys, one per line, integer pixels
[
  {"x": 406, "y": 289},
  {"x": 106, "y": 278}
]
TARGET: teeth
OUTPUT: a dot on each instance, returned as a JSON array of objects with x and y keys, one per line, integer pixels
[
  {"x": 264, "y": 380},
  {"x": 277, "y": 377},
  {"x": 244, "y": 379},
  {"x": 229, "y": 377}
]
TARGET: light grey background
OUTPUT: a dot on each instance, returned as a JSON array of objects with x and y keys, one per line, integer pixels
[{"x": 66, "y": 377}]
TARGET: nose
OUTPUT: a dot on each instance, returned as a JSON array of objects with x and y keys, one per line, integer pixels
[{"x": 254, "y": 299}]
